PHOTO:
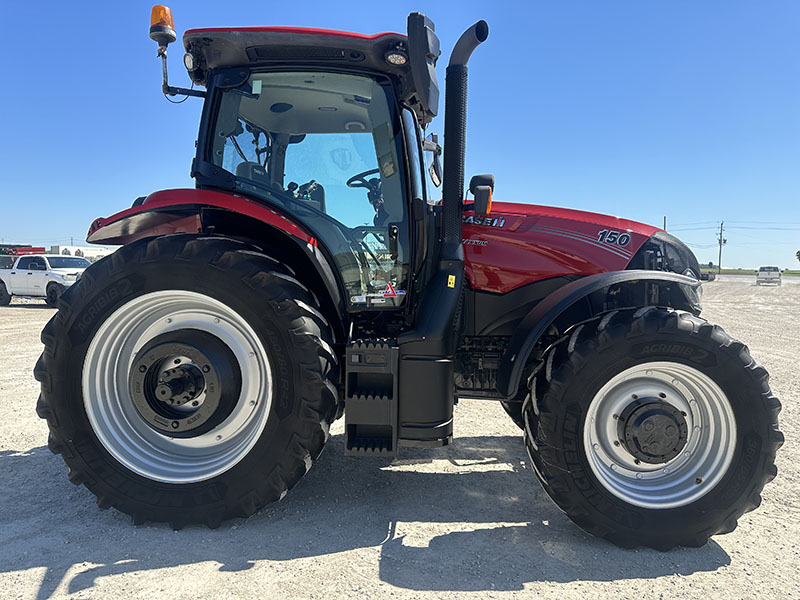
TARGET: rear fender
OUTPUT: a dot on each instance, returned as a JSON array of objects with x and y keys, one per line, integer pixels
[
  {"x": 178, "y": 211},
  {"x": 673, "y": 290},
  {"x": 196, "y": 211}
]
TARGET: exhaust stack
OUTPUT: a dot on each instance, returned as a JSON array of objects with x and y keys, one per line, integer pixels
[{"x": 455, "y": 138}]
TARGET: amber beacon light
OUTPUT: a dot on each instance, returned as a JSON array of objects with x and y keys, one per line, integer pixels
[{"x": 162, "y": 27}]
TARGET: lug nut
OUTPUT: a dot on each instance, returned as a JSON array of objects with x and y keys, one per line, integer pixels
[
  {"x": 206, "y": 369},
  {"x": 698, "y": 481},
  {"x": 142, "y": 369},
  {"x": 616, "y": 442},
  {"x": 175, "y": 424}
]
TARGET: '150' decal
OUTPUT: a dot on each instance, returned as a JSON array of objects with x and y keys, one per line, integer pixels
[{"x": 613, "y": 237}]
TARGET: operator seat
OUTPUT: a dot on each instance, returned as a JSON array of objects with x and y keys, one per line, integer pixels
[{"x": 254, "y": 172}]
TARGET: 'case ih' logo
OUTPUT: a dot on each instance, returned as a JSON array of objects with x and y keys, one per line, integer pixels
[{"x": 485, "y": 221}]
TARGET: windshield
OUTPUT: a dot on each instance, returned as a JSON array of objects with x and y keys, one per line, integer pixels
[
  {"x": 67, "y": 262},
  {"x": 326, "y": 148}
]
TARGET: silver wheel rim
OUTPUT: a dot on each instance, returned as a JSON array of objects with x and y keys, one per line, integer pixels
[
  {"x": 699, "y": 466},
  {"x": 120, "y": 427}
]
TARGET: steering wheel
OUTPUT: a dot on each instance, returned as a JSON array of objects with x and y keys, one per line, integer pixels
[{"x": 360, "y": 181}]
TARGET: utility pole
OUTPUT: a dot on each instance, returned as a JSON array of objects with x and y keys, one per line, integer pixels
[
  {"x": 722, "y": 241},
  {"x": 665, "y": 223},
  {"x": 71, "y": 242}
]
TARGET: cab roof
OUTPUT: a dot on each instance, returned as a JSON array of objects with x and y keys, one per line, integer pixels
[{"x": 228, "y": 47}]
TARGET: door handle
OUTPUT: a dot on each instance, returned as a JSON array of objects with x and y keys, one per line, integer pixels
[{"x": 30, "y": 273}]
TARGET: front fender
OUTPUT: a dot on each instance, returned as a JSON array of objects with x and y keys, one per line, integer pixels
[{"x": 544, "y": 314}]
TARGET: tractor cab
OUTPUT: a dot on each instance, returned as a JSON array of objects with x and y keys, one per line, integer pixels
[{"x": 326, "y": 127}]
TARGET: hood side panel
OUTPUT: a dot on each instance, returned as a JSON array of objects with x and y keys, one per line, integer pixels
[{"x": 520, "y": 244}]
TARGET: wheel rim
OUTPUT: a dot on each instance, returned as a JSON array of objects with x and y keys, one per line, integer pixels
[
  {"x": 700, "y": 462},
  {"x": 121, "y": 428}
]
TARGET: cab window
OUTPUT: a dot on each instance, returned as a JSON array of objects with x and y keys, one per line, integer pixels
[{"x": 327, "y": 148}]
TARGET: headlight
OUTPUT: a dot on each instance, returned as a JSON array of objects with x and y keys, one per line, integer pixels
[{"x": 70, "y": 277}]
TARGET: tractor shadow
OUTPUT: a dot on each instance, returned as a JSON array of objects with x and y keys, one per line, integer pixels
[{"x": 501, "y": 530}]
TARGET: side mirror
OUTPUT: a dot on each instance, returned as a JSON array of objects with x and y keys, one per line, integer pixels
[
  {"x": 423, "y": 52},
  {"x": 431, "y": 144},
  {"x": 482, "y": 187}
]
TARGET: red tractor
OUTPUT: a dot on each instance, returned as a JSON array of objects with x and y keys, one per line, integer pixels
[{"x": 193, "y": 375}]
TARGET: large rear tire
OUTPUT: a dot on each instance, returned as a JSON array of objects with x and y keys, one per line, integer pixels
[
  {"x": 187, "y": 379},
  {"x": 652, "y": 428},
  {"x": 5, "y": 297}
]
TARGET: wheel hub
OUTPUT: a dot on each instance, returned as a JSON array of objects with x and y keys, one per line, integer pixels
[
  {"x": 185, "y": 382},
  {"x": 180, "y": 385},
  {"x": 652, "y": 430}
]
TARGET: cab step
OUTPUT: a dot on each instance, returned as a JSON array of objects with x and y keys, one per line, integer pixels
[{"x": 371, "y": 392}]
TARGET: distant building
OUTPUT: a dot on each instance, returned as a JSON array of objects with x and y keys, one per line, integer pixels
[{"x": 91, "y": 253}]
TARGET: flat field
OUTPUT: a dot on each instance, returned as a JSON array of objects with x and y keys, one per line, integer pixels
[{"x": 466, "y": 521}]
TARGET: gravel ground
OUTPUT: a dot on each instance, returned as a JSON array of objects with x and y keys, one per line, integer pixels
[{"x": 468, "y": 520}]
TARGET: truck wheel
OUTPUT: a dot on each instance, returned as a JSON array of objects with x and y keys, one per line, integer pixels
[
  {"x": 187, "y": 379},
  {"x": 54, "y": 292},
  {"x": 655, "y": 428},
  {"x": 5, "y": 297}
]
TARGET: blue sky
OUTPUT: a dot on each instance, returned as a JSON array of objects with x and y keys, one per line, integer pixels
[{"x": 640, "y": 109}]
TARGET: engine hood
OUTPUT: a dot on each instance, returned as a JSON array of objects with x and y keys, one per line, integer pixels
[{"x": 519, "y": 244}]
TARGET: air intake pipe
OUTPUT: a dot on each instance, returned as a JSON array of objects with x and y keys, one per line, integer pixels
[{"x": 455, "y": 138}]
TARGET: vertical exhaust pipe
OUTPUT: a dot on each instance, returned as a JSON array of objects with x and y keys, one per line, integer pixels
[
  {"x": 455, "y": 138},
  {"x": 427, "y": 366}
]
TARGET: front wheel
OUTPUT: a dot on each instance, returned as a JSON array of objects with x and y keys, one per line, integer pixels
[
  {"x": 654, "y": 428},
  {"x": 187, "y": 379}
]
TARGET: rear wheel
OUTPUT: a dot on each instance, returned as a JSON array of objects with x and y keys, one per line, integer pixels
[
  {"x": 654, "y": 428},
  {"x": 5, "y": 297},
  {"x": 187, "y": 379}
]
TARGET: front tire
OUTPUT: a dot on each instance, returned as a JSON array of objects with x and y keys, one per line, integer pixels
[
  {"x": 187, "y": 379},
  {"x": 654, "y": 428},
  {"x": 5, "y": 297}
]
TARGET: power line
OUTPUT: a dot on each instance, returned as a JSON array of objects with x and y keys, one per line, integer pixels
[
  {"x": 766, "y": 228},
  {"x": 695, "y": 228}
]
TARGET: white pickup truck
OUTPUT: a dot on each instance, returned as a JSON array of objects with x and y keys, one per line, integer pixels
[
  {"x": 768, "y": 275},
  {"x": 39, "y": 276}
]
